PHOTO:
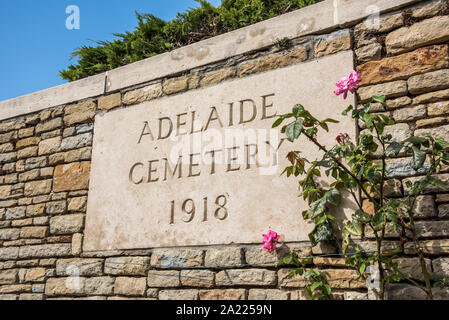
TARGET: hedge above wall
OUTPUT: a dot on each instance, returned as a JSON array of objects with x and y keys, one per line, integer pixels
[{"x": 154, "y": 36}]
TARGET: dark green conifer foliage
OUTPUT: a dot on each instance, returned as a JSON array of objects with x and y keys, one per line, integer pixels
[{"x": 153, "y": 36}]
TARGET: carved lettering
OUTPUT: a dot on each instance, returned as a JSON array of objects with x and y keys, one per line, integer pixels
[
  {"x": 194, "y": 121},
  {"x": 145, "y": 131},
  {"x": 212, "y": 165},
  {"x": 231, "y": 114},
  {"x": 184, "y": 124},
  {"x": 131, "y": 172},
  {"x": 242, "y": 155},
  {"x": 152, "y": 170},
  {"x": 188, "y": 209},
  {"x": 251, "y": 156},
  {"x": 179, "y": 130},
  {"x": 214, "y": 116},
  {"x": 193, "y": 165},
  {"x": 169, "y": 131},
  {"x": 266, "y": 106},
  {"x": 242, "y": 111},
  {"x": 231, "y": 158},
  {"x": 173, "y": 172}
]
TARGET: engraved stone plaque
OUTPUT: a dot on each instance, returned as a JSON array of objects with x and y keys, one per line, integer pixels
[{"x": 204, "y": 167}]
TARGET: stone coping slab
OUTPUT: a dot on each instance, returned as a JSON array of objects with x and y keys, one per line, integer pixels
[{"x": 323, "y": 16}]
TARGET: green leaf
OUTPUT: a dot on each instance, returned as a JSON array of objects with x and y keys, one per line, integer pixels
[
  {"x": 309, "y": 292},
  {"x": 321, "y": 220},
  {"x": 287, "y": 260},
  {"x": 315, "y": 285},
  {"x": 392, "y": 216},
  {"x": 295, "y": 259},
  {"x": 361, "y": 216},
  {"x": 374, "y": 177},
  {"x": 419, "y": 157},
  {"x": 310, "y": 273},
  {"x": 297, "y": 109},
  {"x": 333, "y": 197},
  {"x": 318, "y": 207},
  {"x": 347, "y": 110},
  {"x": 438, "y": 183},
  {"x": 294, "y": 129},
  {"x": 368, "y": 119},
  {"x": 354, "y": 228},
  {"x": 379, "y": 221},
  {"x": 380, "y": 128},
  {"x": 324, "y": 126},
  {"x": 393, "y": 149},
  {"x": 366, "y": 109},
  {"x": 350, "y": 183},
  {"x": 284, "y": 128},
  {"x": 310, "y": 131},
  {"x": 323, "y": 233},
  {"x": 380, "y": 99},
  {"x": 416, "y": 141},
  {"x": 346, "y": 237},
  {"x": 396, "y": 277},
  {"x": 362, "y": 268},
  {"x": 327, "y": 289},
  {"x": 442, "y": 142},
  {"x": 386, "y": 119},
  {"x": 394, "y": 251},
  {"x": 330, "y": 120},
  {"x": 278, "y": 122}
]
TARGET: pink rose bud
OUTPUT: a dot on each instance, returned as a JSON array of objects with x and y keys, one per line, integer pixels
[{"x": 342, "y": 138}]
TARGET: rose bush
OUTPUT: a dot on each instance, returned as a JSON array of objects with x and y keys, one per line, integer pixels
[{"x": 359, "y": 169}]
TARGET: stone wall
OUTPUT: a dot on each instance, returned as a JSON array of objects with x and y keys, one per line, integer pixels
[{"x": 45, "y": 164}]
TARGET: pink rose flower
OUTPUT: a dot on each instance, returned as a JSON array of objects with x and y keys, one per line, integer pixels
[
  {"x": 349, "y": 83},
  {"x": 270, "y": 241},
  {"x": 342, "y": 138}
]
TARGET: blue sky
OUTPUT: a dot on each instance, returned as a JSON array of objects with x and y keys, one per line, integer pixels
[{"x": 36, "y": 45}]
